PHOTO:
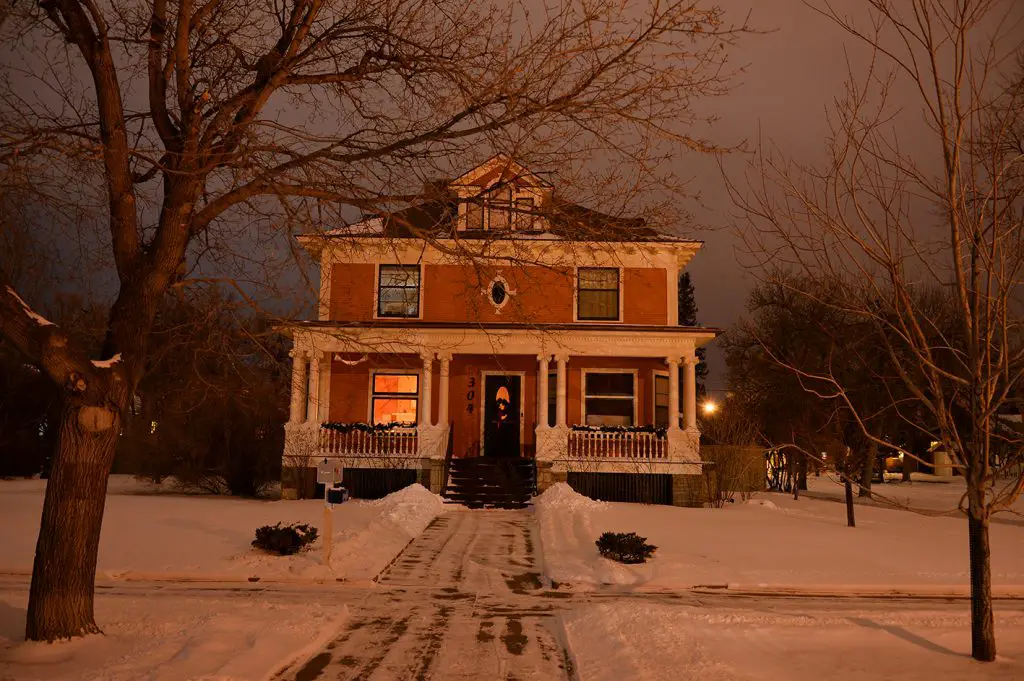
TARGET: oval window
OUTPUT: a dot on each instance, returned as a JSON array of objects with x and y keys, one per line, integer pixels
[{"x": 498, "y": 292}]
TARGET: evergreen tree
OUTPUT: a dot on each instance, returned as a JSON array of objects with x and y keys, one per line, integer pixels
[{"x": 688, "y": 317}]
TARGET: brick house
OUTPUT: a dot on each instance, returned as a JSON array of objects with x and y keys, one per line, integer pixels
[{"x": 528, "y": 340}]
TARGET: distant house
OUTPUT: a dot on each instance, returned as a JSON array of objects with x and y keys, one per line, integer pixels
[{"x": 494, "y": 336}]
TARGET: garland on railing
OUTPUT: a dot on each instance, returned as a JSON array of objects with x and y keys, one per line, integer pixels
[
  {"x": 345, "y": 428},
  {"x": 659, "y": 431}
]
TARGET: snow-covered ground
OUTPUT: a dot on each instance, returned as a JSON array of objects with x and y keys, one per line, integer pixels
[
  {"x": 170, "y": 638},
  {"x": 772, "y": 541},
  {"x": 150, "y": 534},
  {"x": 646, "y": 642}
]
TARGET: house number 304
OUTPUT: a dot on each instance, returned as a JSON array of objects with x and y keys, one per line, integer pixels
[{"x": 470, "y": 394}]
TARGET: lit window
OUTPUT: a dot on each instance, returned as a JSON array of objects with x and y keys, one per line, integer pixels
[
  {"x": 398, "y": 291},
  {"x": 598, "y": 293},
  {"x": 609, "y": 399},
  {"x": 395, "y": 398},
  {"x": 660, "y": 401}
]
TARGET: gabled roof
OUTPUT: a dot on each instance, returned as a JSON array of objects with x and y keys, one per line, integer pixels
[
  {"x": 436, "y": 214},
  {"x": 501, "y": 168}
]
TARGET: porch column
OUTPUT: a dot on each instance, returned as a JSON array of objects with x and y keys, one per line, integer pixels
[
  {"x": 690, "y": 393},
  {"x": 542, "y": 390},
  {"x": 673, "y": 392},
  {"x": 426, "y": 382},
  {"x": 560, "y": 390},
  {"x": 298, "y": 381},
  {"x": 442, "y": 404},
  {"x": 313, "y": 394}
]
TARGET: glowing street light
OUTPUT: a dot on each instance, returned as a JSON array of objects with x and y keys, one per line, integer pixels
[{"x": 709, "y": 407}]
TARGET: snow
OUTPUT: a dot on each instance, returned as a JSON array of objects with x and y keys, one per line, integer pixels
[
  {"x": 168, "y": 638},
  {"x": 106, "y": 363},
  {"x": 665, "y": 643},
  {"x": 39, "y": 319},
  {"x": 772, "y": 544},
  {"x": 150, "y": 534}
]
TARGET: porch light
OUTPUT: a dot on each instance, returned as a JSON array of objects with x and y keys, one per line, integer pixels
[{"x": 709, "y": 407}]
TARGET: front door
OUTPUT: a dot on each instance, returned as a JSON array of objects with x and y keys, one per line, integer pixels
[{"x": 502, "y": 412}]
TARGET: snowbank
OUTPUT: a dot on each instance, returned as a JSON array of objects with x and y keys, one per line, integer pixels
[
  {"x": 771, "y": 541},
  {"x": 562, "y": 498},
  {"x": 153, "y": 535}
]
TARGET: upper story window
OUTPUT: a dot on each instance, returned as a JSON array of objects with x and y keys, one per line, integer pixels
[
  {"x": 398, "y": 291},
  {"x": 597, "y": 294}
]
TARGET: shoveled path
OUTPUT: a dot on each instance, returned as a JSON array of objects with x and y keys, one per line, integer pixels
[{"x": 464, "y": 600}]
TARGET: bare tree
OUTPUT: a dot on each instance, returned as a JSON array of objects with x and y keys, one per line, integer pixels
[
  {"x": 886, "y": 219},
  {"x": 203, "y": 120}
]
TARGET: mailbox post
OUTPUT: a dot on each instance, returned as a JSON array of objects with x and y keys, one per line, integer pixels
[{"x": 328, "y": 473}]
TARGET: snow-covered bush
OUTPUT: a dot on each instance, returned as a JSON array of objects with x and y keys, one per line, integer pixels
[
  {"x": 284, "y": 540},
  {"x": 625, "y": 547}
]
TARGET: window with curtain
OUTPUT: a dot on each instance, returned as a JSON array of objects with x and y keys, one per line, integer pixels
[
  {"x": 398, "y": 291},
  {"x": 660, "y": 401},
  {"x": 597, "y": 293},
  {"x": 609, "y": 399},
  {"x": 395, "y": 398}
]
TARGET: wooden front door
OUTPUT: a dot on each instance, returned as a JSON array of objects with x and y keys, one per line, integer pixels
[{"x": 502, "y": 415}]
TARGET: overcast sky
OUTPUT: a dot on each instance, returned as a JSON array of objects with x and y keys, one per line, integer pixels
[{"x": 792, "y": 76}]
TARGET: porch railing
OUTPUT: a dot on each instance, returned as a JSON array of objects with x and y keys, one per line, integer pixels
[
  {"x": 399, "y": 442},
  {"x": 587, "y": 444}
]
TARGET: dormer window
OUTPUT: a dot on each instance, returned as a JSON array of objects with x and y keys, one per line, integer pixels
[
  {"x": 523, "y": 218},
  {"x": 500, "y": 209}
]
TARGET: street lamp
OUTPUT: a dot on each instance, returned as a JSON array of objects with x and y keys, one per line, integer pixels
[{"x": 709, "y": 407}]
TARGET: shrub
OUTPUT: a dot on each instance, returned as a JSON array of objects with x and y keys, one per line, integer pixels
[
  {"x": 284, "y": 540},
  {"x": 625, "y": 547}
]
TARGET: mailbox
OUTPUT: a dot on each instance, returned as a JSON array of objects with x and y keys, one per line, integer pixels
[{"x": 337, "y": 494}]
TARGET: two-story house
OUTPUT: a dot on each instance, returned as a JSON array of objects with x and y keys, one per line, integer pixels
[{"x": 489, "y": 323}]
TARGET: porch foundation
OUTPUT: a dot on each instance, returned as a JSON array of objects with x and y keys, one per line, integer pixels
[{"x": 689, "y": 491}]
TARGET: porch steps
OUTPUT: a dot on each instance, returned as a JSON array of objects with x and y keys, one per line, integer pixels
[{"x": 491, "y": 482}]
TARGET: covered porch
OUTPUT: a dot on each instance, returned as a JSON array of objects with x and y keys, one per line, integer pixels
[{"x": 587, "y": 401}]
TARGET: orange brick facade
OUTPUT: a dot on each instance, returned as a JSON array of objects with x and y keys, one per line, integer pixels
[{"x": 459, "y": 293}]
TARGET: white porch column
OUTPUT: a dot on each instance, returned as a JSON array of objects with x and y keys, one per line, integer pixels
[
  {"x": 690, "y": 393},
  {"x": 426, "y": 383},
  {"x": 542, "y": 390},
  {"x": 298, "y": 382},
  {"x": 673, "y": 392},
  {"x": 442, "y": 403},
  {"x": 560, "y": 390},
  {"x": 313, "y": 389}
]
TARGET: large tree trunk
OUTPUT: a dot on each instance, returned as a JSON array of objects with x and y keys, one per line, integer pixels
[
  {"x": 64, "y": 571},
  {"x": 983, "y": 634}
]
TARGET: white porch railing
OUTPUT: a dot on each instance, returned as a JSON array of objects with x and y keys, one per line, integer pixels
[
  {"x": 590, "y": 444},
  {"x": 399, "y": 442}
]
